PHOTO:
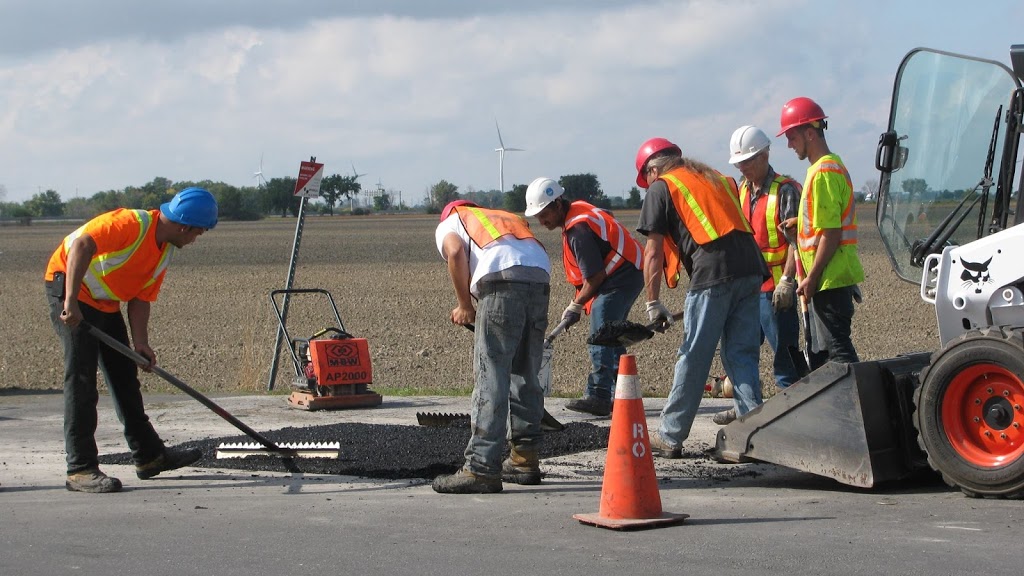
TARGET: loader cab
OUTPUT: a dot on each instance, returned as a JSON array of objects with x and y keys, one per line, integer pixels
[{"x": 949, "y": 156}]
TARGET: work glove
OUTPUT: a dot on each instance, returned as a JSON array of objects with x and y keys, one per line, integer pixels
[
  {"x": 659, "y": 315},
  {"x": 572, "y": 314},
  {"x": 785, "y": 294}
]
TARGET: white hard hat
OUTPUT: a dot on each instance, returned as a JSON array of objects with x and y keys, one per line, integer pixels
[
  {"x": 540, "y": 193},
  {"x": 747, "y": 142}
]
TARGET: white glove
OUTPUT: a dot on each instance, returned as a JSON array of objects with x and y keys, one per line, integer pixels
[
  {"x": 659, "y": 315},
  {"x": 785, "y": 294},
  {"x": 572, "y": 314}
]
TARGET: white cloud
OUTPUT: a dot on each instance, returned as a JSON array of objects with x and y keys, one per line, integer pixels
[{"x": 411, "y": 99}]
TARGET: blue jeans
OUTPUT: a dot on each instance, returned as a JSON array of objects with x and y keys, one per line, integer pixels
[
  {"x": 604, "y": 360},
  {"x": 511, "y": 318},
  {"x": 83, "y": 355},
  {"x": 781, "y": 328},
  {"x": 725, "y": 312}
]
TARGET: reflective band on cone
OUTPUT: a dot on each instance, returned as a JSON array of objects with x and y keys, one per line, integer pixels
[{"x": 629, "y": 493}]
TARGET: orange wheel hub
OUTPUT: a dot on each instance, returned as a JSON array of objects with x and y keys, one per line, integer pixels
[{"x": 983, "y": 415}]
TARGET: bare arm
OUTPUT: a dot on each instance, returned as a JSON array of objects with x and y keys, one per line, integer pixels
[
  {"x": 456, "y": 254},
  {"x": 590, "y": 287},
  {"x": 138, "y": 323},
  {"x": 654, "y": 264},
  {"x": 80, "y": 255}
]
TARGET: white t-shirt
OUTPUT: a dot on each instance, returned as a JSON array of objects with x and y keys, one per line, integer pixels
[{"x": 503, "y": 253}]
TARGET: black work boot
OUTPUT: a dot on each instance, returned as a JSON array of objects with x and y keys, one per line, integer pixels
[
  {"x": 92, "y": 480},
  {"x": 171, "y": 459},
  {"x": 591, "y": 405},
  {"x": 521, "y": 467},
  {"x": 465, "y": 482}
]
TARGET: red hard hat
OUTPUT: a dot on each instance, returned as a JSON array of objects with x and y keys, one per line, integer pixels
[
  {"x": 648, "y": 149},
  {"x": 798, "y": 111},
  {"x": 452, "y": 206}
]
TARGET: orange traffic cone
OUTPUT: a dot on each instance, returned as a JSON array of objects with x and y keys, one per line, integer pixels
[{"x": 629, "y": 492}]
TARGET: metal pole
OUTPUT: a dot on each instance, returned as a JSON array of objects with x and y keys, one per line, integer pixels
[{"x": 291, "y": 277}]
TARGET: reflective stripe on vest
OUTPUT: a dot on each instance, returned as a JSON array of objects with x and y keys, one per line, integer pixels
[
  {"x": 807, "y": 236},
  {"x": 624, "y": 248},
  {"x": 773, "y": 245},
  {"x": 103, "y": 265},
  {"x": 485, "y": 225},
  {"x": 703, "y": 210}
]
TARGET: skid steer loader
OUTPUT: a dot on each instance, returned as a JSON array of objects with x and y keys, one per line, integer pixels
[{"x": 950, "y": 220}]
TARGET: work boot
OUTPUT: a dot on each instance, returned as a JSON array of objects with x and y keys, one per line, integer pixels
[
  {"x": 591, "y": 405},
  {"x": 724, "y": 417},
  {"x": 92, "y": 480},
  {"x": 521, "y": 467},
  {"x": 660, "y": 447},
  {"x": 171, "y": 459},
  {"x": 465, "y": 482}
]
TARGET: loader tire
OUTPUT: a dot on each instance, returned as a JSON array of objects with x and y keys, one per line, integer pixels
[{"x": 970, "y": 413}]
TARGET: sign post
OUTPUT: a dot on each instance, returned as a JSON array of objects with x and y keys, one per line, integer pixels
[{"x": 306, "y": 186}]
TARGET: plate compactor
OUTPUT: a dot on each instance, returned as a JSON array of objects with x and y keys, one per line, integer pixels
[{"x": 332, "y": 367}]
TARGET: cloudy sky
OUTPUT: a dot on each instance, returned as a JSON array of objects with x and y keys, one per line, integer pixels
[{"x": 106, "y": 94}]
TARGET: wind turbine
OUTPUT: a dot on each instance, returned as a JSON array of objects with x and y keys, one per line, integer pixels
[
  {"x": 258, "y": 174},
  {"x": 501, "y": 149},
  {"x": 356, "y": 175}
]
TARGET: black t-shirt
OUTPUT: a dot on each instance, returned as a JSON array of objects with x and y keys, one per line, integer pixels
[
  {"x": 732, "y": 256},
  {"x": 590, "y": 251}
]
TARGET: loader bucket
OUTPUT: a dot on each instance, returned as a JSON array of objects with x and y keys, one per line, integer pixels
[{"x": 848, "y": 422}]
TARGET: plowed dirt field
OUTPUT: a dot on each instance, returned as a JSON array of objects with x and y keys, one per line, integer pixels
[{"x": 214, "y": 327}]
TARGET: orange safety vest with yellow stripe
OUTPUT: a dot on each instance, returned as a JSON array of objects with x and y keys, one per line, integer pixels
[
  {"x": 128, "y": 263},
  {"x": 624, "y": 248},
  {"x": 485, "y": 225},
  {"x": 709, "y": 208},
  {"x": 772, "y": 243},
  {"x": 844, "y": 269}
]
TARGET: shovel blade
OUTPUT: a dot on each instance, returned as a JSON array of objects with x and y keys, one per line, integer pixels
[{"x": 620, "y": 333}]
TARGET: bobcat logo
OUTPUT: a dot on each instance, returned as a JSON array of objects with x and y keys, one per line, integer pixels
[{"x": 975, "y": 274}]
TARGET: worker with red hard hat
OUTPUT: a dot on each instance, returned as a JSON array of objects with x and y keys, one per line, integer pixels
[
  {"x": 826, "y": 232},
  {"x": 494, "y": 258},
  {"x": 117, "y": 257},
  {"x": 693, "y": 221}
]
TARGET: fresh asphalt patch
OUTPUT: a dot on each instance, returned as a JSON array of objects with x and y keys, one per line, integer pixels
[{"x": 385, "y": 451}]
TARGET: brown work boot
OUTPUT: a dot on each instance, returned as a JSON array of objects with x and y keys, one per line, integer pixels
[
  {"x": 724, "y": 417},
  {"x": 465, "y": 482},
  {"x": 521, "y": 467},
  {"x": 92, "y": 480},
  {"x": 171, "y": 459},
  {"x": 661, "y": 447}
]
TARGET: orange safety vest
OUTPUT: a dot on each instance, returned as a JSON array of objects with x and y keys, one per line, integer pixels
[
  {"x": 709, "y": 209},
  {"x": 128, "y": 263},
  {"x": 625, "y": 248},
  {"x": 485, "y": 225},
  {"x": 772, "y": 243}
]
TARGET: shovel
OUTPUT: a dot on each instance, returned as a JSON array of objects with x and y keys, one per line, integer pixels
[
  {"x": 302, "y": 450},
  {"x": 625, "y": 333}
]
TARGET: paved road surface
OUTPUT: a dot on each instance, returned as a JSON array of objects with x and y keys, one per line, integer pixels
[{"x": 744, "y": 519}]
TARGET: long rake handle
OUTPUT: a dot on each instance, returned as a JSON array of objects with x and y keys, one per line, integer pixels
[{"x": 142, "y": 361}]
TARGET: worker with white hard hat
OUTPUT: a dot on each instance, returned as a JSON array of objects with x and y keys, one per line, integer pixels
[
  {"x": 604, "y": 263},
  {"x": 768, "y": 199}
]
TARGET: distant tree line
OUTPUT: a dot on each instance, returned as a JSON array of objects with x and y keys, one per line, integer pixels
[{"x": 584, "y": 187}]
